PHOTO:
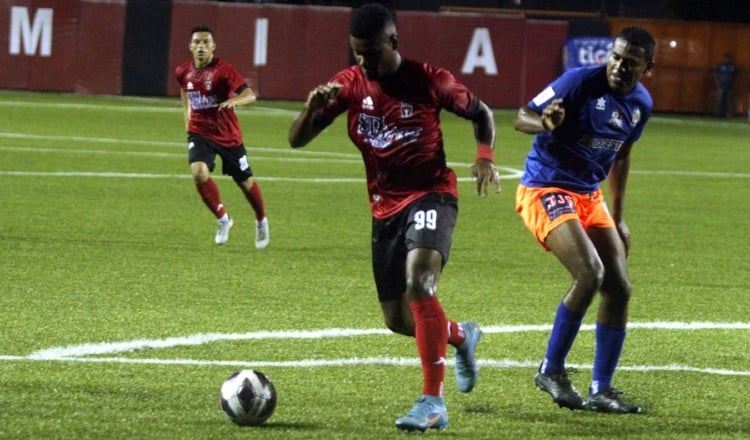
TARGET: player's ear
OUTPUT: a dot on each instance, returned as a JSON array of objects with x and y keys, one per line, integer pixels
[
  {"x": 394, "y": 41},
  {"x": 649, "y": 66}
]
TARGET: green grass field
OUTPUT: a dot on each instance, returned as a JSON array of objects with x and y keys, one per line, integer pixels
[{"x": 119, "y": 317}]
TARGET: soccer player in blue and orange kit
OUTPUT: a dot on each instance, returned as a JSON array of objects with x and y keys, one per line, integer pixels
[
  {"x": 210, "y": 89},
  {"x": 585, "y": 123},
  {"x": 393, "y": 106}
]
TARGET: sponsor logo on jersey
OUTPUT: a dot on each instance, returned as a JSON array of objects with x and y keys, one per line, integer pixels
[
  {"x": 368, "y": 104},
  {"x": 544, "y": 96},
  {"x": 601, "y": 103},
  {"x": 199, "y": 101},
  {"x": 375, "y": 132}
]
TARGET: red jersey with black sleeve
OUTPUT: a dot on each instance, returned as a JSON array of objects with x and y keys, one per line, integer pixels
[
  {"x": 205, "y": 89},
  {"x": 395, "y": 123}
]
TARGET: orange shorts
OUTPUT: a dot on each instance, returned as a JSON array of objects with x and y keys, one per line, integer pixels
[{"x": 544, "y": 209}]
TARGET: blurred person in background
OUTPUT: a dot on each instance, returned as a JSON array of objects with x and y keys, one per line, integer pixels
[
  {"x": 210, "y": 89},
  {"x": 725, "y": 72}
]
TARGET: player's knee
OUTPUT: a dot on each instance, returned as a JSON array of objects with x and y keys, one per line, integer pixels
[
  {"x": 590, "y": 276},
  {"x": 398, "y": 326},
  {"x": 200, "y": 172},
  {"x": 619, "y": 290}
]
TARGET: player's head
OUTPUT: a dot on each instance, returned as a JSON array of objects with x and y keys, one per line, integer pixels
[
  {"x": 632, "y": 57},
  {"x": 202, "y": 45},
  {"x": 374, "y": 40}
]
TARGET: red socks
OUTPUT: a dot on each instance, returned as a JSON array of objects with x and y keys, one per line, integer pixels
[
  {"x": 456, "y": 333},
  {"x": 431, "y": 332},
  {"x": 209, "y": 192},
  {"x": 255, "y": 198}
]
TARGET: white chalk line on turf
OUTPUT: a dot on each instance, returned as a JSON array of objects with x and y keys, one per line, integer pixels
[
  {"x": 93, "y": 352},
  {"x": 103, "y": 348}
]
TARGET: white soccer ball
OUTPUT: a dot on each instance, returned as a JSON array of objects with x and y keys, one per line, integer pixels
[{"x": 248, "y": 397}]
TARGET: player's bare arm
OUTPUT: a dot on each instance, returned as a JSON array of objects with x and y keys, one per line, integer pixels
[
  {"x": 528, "y": 121},
  {"x": 246, "y": 96},
  {"x": 617, "y": 180},
  {"x": 185, "y": 108},
  {"x": 483, "y": 171},
  {"x": 303, "y": 128}
]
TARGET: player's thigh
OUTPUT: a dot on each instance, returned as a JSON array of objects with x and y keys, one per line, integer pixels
[
  {"x": 569, "y": 242},
  {"x": 430, "y": 222},
  {"x": 201, "y": 150},
  {"x": 389, "y": 258},
  {"x": 235, "y": 163}
]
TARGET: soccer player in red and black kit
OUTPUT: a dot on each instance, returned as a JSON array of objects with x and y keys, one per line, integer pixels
[
  {"x": 393, "y": 106},
  {"x": 210, "y": 89}
]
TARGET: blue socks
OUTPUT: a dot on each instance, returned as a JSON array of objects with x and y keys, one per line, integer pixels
[
  {"x": 609, "y": 342},
  {"x": 564, "y": 332}
]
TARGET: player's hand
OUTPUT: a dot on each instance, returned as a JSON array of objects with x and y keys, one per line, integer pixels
[
  {"x": 485, "y": 173},
  {"x": 553, "y": 115},
  {"x": 229, "y": 103},
  {"x": 323, "y": 95}
]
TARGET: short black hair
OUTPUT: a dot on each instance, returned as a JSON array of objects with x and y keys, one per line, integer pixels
[
  {"x": 201, "y": 28},
  {"x": 638, "y": 36},
  {"x": 369, "y": 20}
]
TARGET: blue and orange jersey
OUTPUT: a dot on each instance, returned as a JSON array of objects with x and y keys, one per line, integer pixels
[{"x": 578, "y": 154}]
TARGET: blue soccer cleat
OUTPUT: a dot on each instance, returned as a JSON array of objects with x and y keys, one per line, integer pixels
[
  {"x": 466, "y": 366},
  {"x": 428, "y": 413}
]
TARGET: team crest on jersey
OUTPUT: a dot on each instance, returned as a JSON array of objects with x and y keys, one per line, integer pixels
[
  {"x": 616, "y": 119},
  {"x": 636, "y": 117},
  {"x": 208, "y": 85},
  {"x": 407, "y": 110}
]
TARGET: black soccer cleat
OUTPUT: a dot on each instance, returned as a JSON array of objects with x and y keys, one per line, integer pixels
[
  {"x": 559, "y": 387},
  {"x": 610, "y": 401}
]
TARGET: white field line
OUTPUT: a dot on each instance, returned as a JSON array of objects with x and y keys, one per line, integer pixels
[
  {"x": 302, "y": 155},
  {"x": 79, "y": 353},
  {"x": 103, "y": 348}
]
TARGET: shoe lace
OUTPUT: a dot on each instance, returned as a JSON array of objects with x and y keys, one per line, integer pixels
[
  {"x": 613, "y": 393},
  {"x": 261, "y": 232},
  {"x": 563, "y": 375}
]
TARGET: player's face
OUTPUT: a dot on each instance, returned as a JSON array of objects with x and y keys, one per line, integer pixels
[
  {"x": 202, "y": 46},
  {"x": 376, "y": 57},
  {"x": 625, "y": 67}
]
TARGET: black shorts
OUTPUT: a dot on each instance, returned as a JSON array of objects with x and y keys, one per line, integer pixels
[
  {"x": 233, "y": 160},
  {"x": 426, "y": 223}
]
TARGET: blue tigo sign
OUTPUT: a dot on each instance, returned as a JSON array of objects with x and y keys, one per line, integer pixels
[{"x": 586, "y": 51}]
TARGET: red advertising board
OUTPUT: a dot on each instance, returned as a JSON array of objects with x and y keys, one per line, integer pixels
[
  {"x": 284, "y": 51},
  {"x": 61, "y": 45}
]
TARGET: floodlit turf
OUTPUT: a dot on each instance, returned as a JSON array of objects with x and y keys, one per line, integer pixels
[{"x": 120, "y": 318}]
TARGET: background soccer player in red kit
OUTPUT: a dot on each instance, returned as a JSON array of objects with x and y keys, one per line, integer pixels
[
  {"x": 393, "y": 106},
  {"x": 210, "y": 89}
]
